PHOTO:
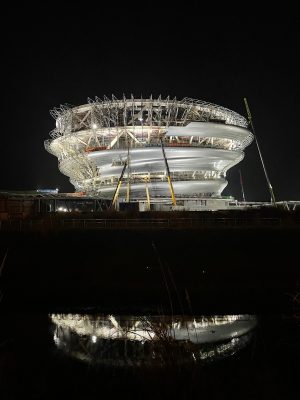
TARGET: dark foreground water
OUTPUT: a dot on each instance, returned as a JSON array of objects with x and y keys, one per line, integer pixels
[
  {"x": 207, "y": 271},
  {"x": 162, "y": 314},
  {"x": 92, "y": 355}
]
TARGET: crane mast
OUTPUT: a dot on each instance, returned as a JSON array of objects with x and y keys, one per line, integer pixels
[{"x": 259, "y": 152}]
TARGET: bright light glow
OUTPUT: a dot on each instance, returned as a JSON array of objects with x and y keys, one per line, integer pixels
[
  {"x": 56, "y": 339},
  {"x": 62, "y": 209},
  {"x": 94, "y": 126},
  {"x": 94, "y": 339}
]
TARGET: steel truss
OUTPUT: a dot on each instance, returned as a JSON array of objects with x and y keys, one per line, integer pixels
[{"x": 85, "y": 135}]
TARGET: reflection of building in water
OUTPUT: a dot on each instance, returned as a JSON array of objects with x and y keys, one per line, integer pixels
[{"x": 129, "y": 340}]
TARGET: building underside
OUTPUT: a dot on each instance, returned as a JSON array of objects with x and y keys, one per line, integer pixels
[{"x": 97, "y": 142}]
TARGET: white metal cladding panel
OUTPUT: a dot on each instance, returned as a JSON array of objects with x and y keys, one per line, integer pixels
[
  {"x": 163, "y": 189},
  {"x": 151, "y": 160},
  {"x": 208, "y": 129}
]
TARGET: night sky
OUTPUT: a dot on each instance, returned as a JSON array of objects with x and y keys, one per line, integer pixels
[{"x": 58, "y": 54}]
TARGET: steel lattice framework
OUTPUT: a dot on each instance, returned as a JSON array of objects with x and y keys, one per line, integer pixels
[{"x": 201, "y": 140}]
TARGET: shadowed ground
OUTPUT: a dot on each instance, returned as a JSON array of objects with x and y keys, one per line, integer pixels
[{"x": 225, "y": 269}]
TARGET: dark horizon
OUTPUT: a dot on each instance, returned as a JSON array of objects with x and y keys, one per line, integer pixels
[{"x": 54, "y": 56}]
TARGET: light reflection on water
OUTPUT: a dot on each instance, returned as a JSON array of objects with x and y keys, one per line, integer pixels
[{"x": 152, "y": 340}]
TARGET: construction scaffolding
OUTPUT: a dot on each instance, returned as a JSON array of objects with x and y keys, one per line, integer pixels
[{"x": 201, "y": 141}]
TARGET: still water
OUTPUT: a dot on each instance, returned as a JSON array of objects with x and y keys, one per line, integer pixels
[
  {"x": 90, "y": 355},
  {"x": 157, "y": 340}
]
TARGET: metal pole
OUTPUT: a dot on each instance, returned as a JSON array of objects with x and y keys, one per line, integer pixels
[
  {"x": 242, "y": 186},
  {"x": 128, "y": 175},
  {"x": 168, "y": 174},
  {"x": 118, "y": 185},
  {"x": 260, "y": 154},
  {"x": 148, "y": 196}
]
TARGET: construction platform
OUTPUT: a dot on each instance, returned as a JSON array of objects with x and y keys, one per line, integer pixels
[{"x": 28, "y": 204}]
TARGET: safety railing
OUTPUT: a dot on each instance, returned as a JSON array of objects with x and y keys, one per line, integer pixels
[{"x": 134, "y": 223}]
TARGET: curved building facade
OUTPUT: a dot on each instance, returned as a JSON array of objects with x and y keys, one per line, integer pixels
[{"x": 96, "y": 142}]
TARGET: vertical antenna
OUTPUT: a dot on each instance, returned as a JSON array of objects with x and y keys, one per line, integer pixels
[
  {"x": 259, "y": 152},
  {"x": 242, "y": 186}
]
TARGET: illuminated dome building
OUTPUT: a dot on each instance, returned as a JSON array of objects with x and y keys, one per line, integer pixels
[{"x": 159, "y": 144}]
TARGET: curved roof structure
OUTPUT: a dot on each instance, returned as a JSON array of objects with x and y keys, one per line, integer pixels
[{"x": 202, "y": 141}]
